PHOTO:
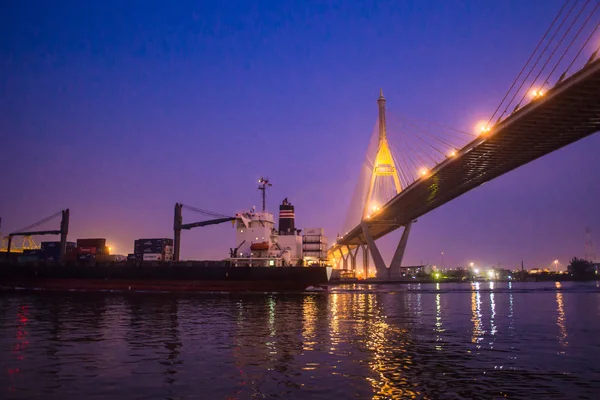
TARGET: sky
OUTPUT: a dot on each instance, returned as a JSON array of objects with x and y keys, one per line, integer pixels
[{"x": 118, "y": 109}]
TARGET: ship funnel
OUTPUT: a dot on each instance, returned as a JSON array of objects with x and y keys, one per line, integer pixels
[{"x": 286, "y": 218}]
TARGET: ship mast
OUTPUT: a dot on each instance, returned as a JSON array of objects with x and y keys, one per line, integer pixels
[{"x": 263, "y": 183}]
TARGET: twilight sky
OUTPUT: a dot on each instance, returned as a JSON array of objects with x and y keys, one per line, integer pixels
[{"x": 119, "y": 109}]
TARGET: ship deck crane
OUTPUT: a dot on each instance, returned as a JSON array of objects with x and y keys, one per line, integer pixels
[
  {"x": 64, "y": 229},
  {"x": 178, "y": 225}
]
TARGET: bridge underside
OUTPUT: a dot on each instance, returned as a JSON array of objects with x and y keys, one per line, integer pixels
[{"x": 568, "y": 112}]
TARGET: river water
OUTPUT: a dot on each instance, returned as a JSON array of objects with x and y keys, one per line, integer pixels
[{"x": 481, "y": 340}]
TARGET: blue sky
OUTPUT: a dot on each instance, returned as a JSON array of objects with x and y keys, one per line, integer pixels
[{"x": 118, "y": 110}]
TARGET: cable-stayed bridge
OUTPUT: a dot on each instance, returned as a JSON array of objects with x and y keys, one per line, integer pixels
[{"x": 432, "y": 167}]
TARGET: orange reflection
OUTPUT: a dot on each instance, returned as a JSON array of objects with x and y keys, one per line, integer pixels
[
  {"x": 438, "y": 319},
  {"x": 21, "y": 344},
  {"x": 476, "y": 315},
  {"x": 309, "y": 313},
  {"x": 387, "y": 344},
  {"x": 561, "y": 319}
]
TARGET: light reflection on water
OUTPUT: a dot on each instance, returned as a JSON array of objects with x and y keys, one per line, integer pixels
[
  {"x": 561, "y": 319},
  {"x": 478, "y": 331},
  {"x": 414, "y": 341}
]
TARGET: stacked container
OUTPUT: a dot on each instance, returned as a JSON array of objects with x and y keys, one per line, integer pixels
[
  {"x": 30, "y": 256},
  {"x": 89, "y": 250},
  {"x": 314, "y": 244},
  {"x": 87, "y": 244},
  {"x": 152, "y": 250},
  {"x": 50, "y": 251}
]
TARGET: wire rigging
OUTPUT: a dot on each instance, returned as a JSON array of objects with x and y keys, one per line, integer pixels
[
  {"x": 555, "y": 48},
  {"x": 40, "y": 222},
  {"x": 525, "y": 66},
  {"x": 205, "y": 212},
  {"x": 540, "y": 57},
  {"x": 587, "y": 40}
]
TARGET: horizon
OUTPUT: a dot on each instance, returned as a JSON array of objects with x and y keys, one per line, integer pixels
[{"x": 117, "y": 112}]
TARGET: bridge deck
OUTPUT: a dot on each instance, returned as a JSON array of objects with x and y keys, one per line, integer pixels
[{"x": 566, "y": 113}]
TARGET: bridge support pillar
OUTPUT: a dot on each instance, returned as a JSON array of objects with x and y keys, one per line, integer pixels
[
  {"x": 352, "y": 255},
  {"x": 382, "y": 270},
  {"x": 399, "y": 254},
  {"x": 365, "y": 253},
  {"x": 344, "y": 259}
]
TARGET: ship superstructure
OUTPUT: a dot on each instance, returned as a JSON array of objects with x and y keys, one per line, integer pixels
[{"x": 260, "y": 243}]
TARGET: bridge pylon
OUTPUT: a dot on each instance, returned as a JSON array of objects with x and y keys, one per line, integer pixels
[{"x": 384, "y": 166}]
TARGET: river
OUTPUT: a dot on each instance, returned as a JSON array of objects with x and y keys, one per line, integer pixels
[{"x": 475, "y": 340}]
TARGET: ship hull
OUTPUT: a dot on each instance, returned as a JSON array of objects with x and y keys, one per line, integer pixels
[{"x": 175, "y": 278}]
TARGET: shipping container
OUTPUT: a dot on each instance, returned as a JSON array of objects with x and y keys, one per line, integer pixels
[
  {"x": 50, "y": 245},
  {"x": 152, "y": 257},
  {"x": 51, "y": 258},
  {"x": 86, "y": 250},
  {"x": 86, "y": 257},
  {"x": 148, "y": 249},
  {"x": 98, "y": 243},
  {"x": 27, "y": 259},
  {"x": 105, "y": 258},
  {"x": 314, "y": 239},
  {"x": 314, "y": 247},
  {"x": 313, "y": 231},
  {"x": 32, "y": 252},
  {"x": 160, "y": 242},
  {"x": 102, "y": 250}
]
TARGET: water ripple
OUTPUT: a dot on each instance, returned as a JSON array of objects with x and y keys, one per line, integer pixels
[{"x": 380, "y": 342}]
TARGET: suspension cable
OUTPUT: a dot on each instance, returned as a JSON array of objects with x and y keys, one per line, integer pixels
[
  {"x": 540, "y": 56},
  {"x": 405, "y": 119},
  {"x": 525, "y": 66},
  {"x": 398, "y": 160},
  {"x": 573, "y": 40},
  {"x": 442, "y": 141},
  {"x": 554, "y": 51},
  {"x": 585, "y": 44}
]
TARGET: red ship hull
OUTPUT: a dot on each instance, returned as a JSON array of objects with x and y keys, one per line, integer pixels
[{"x": 173, "y": 278}]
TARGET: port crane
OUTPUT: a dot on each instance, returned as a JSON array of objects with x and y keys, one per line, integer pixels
[
  {"x": 29, "y": 231},
  {"x": 27, "y": 243},
  {"x": 178, "y": 224}
]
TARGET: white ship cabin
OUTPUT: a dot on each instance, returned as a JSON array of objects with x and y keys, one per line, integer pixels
[{"x": 259, "y": 244}]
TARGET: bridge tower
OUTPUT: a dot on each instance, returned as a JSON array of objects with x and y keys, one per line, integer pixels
[{"x": 383, "y": 166}]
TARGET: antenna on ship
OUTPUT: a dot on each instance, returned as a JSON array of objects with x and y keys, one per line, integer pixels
[{"x": 263, "y": 183}]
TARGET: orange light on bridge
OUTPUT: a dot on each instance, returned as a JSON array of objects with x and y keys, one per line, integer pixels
[
  {"x": 452, "y": 154},
  {"x": 423, "y": 171},
  {"x": 537, "y": 93},
  {"x": 482, "y": 127}
]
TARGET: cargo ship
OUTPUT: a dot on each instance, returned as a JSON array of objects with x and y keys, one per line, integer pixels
[{"x": 264, "y": 259}]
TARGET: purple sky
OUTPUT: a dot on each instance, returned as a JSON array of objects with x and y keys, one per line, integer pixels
[{"x": 119, "y": 111}]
